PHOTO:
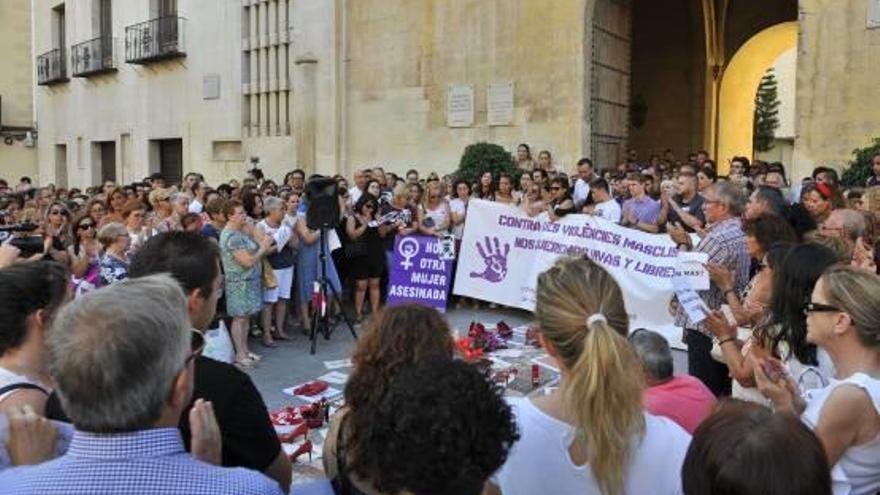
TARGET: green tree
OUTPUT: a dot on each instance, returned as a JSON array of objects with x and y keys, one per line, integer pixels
[
  {"x": 859, "y": 168},
  {"x": 766, "y": 113},
  {"x": 485, "y": 157}
]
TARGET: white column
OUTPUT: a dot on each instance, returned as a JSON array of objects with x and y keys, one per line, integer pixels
[
  {"x": 252, "y": 20},
  {"x": 284, "y": 113},
  {"x": 273, "y": 21}
]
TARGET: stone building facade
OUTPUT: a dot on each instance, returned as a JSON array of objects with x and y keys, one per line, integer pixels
[
  {"x": 18, "y": 156},
  {"x": 332, "y": 85}
]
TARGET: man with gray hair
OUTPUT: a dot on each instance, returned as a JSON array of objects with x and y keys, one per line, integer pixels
[
  {"x": 725, "y": 243},
  {"x": 360, "y": 184},
  {"x": 122, "y": 363},
  {"x": 683, "y": 399},
  {"x": 845, "y": 224}
]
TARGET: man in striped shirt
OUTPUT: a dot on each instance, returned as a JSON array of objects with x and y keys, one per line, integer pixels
[
  {"x": 725, "y": 243},
  {"x": 122, "y": 361}
]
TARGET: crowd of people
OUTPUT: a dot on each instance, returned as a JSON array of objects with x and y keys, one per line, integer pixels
[{"x": 782, "y": 393}]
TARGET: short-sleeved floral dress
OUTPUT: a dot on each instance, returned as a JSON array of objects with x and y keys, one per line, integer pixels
[{"x": 244, "y": 286}]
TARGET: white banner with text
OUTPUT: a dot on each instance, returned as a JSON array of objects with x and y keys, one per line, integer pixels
[{"x": 503, "y": 251}]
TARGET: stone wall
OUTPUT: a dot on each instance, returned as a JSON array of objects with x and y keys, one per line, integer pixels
[
  {"x": 403, "y": 55},
  {"x": 16, "y": 88},
  {"x": 837, "y": 86}
]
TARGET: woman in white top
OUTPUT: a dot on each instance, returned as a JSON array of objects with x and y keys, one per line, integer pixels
[
  {"x": 842, "y": 319},
  {"x": 133, "y": 215},
  {"x": 434, "y": 216},
  {"x": 282, "y": 258},
  {"x": 458, "y": 209},
  {"x": 591, "y": 435}
]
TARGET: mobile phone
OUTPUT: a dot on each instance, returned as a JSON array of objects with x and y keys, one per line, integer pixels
[{"x": 774, "y": 369}]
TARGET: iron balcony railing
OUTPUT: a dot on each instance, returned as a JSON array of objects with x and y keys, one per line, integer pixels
[
  {"x": 92, "y": 57},
  {"x": 156, "y": 39},
  {"x": 51, "y": 67}
]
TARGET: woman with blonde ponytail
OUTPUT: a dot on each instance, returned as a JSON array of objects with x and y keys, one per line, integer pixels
[{"x": 591, "y": 435}]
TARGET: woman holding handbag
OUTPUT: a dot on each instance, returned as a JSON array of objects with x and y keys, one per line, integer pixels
[
  {"x": 242, "y": 258},
  {"x": 365, "y": 252}
]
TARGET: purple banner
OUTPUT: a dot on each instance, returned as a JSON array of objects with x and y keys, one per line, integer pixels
[{"x": 419, "y": 272}]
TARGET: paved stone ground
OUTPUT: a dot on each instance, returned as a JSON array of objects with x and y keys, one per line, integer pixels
[{"x": 291, "y": 364}]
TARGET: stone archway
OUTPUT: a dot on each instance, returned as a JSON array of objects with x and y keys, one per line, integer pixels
[{"x": 739, "y": 83}]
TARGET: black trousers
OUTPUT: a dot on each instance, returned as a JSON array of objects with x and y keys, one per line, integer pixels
[{"x": 701, "y": 365}]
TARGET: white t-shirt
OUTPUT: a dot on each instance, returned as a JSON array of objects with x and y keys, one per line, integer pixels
[
  {"x": 857, "y": 471},
  {"x": 458, "y": 207},
  {"x": 609, "y": 210},
  {"x": 581, "y": 192},
  {"x": 195, "y": 206},
  {"x": 539, "y": 463},
  {"x": 354, "y": 194}
]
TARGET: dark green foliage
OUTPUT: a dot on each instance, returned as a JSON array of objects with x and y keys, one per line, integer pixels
[
  {"x": 481, "y": 157},
  {"x": 766, "y": 112},
  {"x": 859, "y": 168}
]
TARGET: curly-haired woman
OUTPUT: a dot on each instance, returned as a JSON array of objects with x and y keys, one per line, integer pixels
[
  {"x": 388, "y": 345},
  {"x": 440, "y": 427}
]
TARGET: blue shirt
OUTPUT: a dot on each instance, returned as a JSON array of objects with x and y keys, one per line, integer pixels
[
  {"x": 143, "y": 462},
  {"x": 646, "y": 209}
]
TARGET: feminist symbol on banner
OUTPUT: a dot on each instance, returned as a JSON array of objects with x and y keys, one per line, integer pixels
[
  {"x": 495, "y": 259},
  {"x": 408, "y": 248}
]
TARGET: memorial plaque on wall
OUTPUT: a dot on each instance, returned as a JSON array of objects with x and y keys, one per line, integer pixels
[
  {"x": 460, "y": 106},
  {"x": 499, "y": 103}
]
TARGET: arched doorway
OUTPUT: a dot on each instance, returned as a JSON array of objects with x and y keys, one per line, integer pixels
[
  {"x": 654, "y": 73},
  {"x": 739, "y": 83}
]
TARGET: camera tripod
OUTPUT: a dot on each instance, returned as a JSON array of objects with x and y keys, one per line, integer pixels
[{"x": 320, "y": 318}]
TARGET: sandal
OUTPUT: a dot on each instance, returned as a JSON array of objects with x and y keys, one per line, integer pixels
[
  {"x": 270, "y": 345},
  {"x": 244, "y": 364},
  {"x": 255, "y": 357}
]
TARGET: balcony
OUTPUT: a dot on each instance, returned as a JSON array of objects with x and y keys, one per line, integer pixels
[
  {"x": 154, "y": 40},
  {"x": 94, "y": 57},
  {"x": 51, "y": 68}
]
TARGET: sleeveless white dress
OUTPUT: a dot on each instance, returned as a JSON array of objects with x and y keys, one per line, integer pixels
[{"x": 857, "y": 472}]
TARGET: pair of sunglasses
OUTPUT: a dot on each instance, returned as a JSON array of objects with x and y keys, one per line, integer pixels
[{"x": 814, "y": 307}]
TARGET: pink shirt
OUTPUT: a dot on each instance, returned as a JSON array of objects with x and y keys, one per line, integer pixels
[{"x": 683, "y": 399}]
